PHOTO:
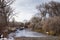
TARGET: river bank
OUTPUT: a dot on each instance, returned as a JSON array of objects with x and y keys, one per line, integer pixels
[{"x": 37, "y": 38}]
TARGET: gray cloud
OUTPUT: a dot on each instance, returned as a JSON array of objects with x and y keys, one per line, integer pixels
[{"x": 27, "y": 7}]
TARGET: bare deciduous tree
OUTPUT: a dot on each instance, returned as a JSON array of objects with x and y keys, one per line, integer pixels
[
  {"x": 52, "y": 8},
  {"x": 50, "y": 24},
  {"x": 5, "y": 13},
  {"x": 5, "y": 10}
]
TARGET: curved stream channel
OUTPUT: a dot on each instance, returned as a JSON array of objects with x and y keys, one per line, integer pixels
[{"x": 24, "y": 33}]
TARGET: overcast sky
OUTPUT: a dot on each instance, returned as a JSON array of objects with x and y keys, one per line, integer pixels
[{"x": 26, "y": 8}]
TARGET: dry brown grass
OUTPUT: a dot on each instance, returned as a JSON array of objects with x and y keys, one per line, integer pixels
[{"x": 37, "y": 38}]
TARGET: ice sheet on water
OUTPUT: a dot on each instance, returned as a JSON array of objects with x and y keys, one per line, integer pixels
[{"x": 26, "y": 33}]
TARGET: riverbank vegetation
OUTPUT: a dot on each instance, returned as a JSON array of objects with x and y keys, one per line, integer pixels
[{"x": 48, "y": 19}]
